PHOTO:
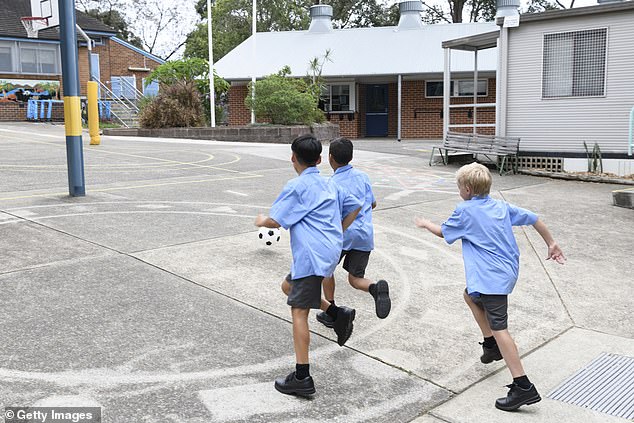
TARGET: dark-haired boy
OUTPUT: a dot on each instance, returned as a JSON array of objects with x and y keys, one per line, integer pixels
[
  {"x": 358, "y": 239},
  {"x": 309, "y": 207}
]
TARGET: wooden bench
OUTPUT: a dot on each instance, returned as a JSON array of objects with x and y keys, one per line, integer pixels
[{"x": 504, "y": 149}]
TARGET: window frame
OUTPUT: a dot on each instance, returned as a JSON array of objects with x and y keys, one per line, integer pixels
[
  {"x": 605, "y": 65},
  {"x": 454, "y": 87},
  {"x": 351, "y": 102}
]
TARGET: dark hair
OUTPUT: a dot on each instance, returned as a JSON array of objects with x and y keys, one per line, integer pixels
[
  {"x": 307, "y": 149},
  {"x": 341, "y": 150}
]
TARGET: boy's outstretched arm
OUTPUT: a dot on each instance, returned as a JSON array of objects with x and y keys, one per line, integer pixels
[
  {"x": 554, "y": 251},
  {"x": 265, "y": 221},
  {"x": 430, "y": 226}
]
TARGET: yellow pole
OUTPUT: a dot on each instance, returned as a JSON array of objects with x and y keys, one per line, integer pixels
[{"x": 93, "y": 113}]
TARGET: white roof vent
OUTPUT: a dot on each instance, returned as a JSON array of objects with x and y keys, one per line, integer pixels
[
  {"x": 321, "y": 18},
  {"x": 410, "y": 15},
  {"x": 508, "y": 8}
]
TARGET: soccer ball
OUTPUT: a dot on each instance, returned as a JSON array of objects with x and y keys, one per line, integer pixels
[{"x": 269, "y": 235}]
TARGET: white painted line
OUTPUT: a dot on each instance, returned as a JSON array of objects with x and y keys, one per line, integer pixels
[
  {"x": 242, "y": 402},
  {"x": 236, "y": 193}
]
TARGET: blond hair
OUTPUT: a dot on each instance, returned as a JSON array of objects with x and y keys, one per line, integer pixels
[{"x": 475, "y": 176}]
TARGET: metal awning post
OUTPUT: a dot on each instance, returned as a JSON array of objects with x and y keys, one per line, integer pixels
[
  {"x": 475, "y": 91},
  {"x": 400, "y": 86},
  {"x": 446, "y": 96}
]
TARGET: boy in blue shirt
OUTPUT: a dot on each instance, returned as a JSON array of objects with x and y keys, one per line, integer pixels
[
  {"x": 309, "y": 207},
  {"x": 358, "y": 239},
  {"x": 491, "y": 259}
]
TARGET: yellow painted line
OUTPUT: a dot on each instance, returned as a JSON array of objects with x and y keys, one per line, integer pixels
[
  {"x": 72, "y": 116},
  {"x": 624, "y": 190},
  {"x": 174, "y": 162},
  {"x": 48, "y": 194}
]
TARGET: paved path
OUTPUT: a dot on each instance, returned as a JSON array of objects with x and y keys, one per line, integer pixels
[{"x": 152, "y": 298}]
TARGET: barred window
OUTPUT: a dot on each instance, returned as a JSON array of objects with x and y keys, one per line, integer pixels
[{"x": 574, "y": 64}]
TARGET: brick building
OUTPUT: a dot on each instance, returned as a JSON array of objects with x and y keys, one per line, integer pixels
[
  {"x": 380, "y": 82},
  {"x": 31, "y": 67}
]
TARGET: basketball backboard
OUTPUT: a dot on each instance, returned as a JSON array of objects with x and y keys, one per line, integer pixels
[{"x": 46, "y": 9}]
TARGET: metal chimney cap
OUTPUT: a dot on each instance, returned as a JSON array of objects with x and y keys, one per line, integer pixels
[
  {"x": 410, "y": 6},
  {"x": 321, "y": 10}
]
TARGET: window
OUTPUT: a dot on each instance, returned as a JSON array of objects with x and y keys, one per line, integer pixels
[
  {"x": 6, "y": 59},
  {"x": 458, "y": 88},
  {"x": 38, "y": 59},
  {"x": 337, "y": 98},
  {"x": 28, "y": 59},
  {"x": 574, "y": 64}
]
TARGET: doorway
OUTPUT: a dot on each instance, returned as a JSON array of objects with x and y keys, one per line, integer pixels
[{"x": 376, "y": 122}]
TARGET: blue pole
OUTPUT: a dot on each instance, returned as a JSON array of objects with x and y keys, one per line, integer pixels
[{"x": 72, "y": 104}]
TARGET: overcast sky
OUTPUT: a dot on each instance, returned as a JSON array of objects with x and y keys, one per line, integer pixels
[{"x": 169, "y": 39}]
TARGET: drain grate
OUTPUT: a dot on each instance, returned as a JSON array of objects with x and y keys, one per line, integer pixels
[{"x": 605, "y": 385}]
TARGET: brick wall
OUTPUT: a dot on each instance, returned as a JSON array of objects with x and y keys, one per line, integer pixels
[
  {"x": 348, "y": 123},
  {"x": 239, "y": 114},
  {"x": 422, "y": 116},
  {"x": 11, "y": 111},
  {"x": 115, "y": 60}
]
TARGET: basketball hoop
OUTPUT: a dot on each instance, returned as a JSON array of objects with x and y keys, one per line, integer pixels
[{"x": 33, "y": 24}]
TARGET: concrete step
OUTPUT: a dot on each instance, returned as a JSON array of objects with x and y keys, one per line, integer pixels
[{"x": 623, "y": 198}]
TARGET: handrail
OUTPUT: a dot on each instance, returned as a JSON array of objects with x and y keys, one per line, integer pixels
[
  {"x": 631, "y": 142},
  {"x": 116, "y": 97},
  {"x": 137, "y": 93}
]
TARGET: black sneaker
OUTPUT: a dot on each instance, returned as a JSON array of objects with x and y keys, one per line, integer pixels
[
  {"x": 490, "y": 354},
  {"x": 382, "y": 302},
  {"x": 325, "y": 319},
  {"x": 290, "y": 385},
  {"x": 517, "y": 397},
  {"x": 343, "y": 324}
]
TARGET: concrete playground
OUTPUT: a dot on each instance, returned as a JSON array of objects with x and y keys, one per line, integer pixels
[{"x": 152, "y": 298}]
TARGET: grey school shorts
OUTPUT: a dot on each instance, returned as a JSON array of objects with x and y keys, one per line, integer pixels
[
  {"x": 495, "y": 308},
  {"x": 305, "y": 292},
  {"x": 355, "y": 262}
]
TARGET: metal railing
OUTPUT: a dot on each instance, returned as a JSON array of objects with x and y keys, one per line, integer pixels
[
  {"x": 126, "y": 103},
  {"x": 137, "y": 94}
]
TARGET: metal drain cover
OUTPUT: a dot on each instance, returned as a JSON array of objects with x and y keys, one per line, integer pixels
[{"x": 605, "y": 385}]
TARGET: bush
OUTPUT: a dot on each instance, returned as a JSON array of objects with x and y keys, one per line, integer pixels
[
  {"x": 284, "y": 101},
  {"x": 178, "y": 105}
]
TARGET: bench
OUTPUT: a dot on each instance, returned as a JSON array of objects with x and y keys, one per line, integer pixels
[{"x": 504, "y": 149}]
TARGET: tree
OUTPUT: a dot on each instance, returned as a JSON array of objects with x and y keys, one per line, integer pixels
[
  {"x": 231, "y": 23},
  {"x": 160, "y": 27},
  {"x": 114, "y": 19}
]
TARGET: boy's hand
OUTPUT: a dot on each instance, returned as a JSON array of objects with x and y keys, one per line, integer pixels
[
  {"x": 259, "y": 220},
  {"x": 555, "y": 253},
  {"x": 421, "y": 222}
]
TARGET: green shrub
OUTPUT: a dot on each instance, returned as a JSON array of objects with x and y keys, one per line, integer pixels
[{"x": 284, "y": 101}]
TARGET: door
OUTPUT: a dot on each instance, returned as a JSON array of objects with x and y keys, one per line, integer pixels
[
  {"x": 123, "y": 86},
  {"x": 376, "y": 111}
]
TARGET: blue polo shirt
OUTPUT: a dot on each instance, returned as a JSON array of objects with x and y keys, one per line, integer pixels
[
  {"x": 308, "y": 207},
  {"x": 490, "y": 252},
  {"x": 360, "y": 234}
]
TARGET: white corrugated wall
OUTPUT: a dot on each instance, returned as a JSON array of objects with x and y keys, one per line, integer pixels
[{"x": 561, "y": 125}]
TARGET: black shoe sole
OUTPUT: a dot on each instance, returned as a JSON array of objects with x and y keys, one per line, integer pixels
[
  {"x": 328, "y": 323},
  {"x": 529, "y": 401},
  {"x": 491, "y": 359},
  {"x": 349, "y": 333},
  {"x": 306, "y": 393},
  {"x": 383, "y": 303}
]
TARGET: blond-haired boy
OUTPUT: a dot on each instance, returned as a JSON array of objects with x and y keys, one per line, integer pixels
[{"x": 491, "y": 259}]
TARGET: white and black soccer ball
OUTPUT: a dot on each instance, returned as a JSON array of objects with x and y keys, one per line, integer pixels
[{"x": 269, "y": 236}]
